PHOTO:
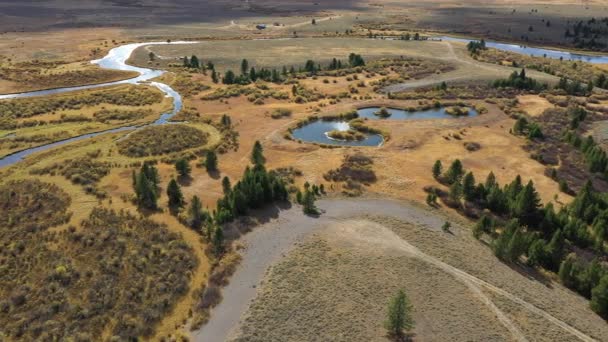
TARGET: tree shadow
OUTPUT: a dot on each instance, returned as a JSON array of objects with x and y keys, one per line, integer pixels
[
  {"x": 405, "y": 337},
  {"x": 215, "y": 174},
  {"x": 530, "y": 273},
  {"x": 255, "y": 217},
  {"x": 185, "y": 180}
]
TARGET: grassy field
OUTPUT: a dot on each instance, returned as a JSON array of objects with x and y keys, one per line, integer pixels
[
  {"x": 345, "y": 275},
  {"x": 34, "y": 122}
]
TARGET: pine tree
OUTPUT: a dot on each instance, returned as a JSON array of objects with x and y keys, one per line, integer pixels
[
  {"x": 484, "y": 225},
  {"x": 211, "y": 161},
  {"x": 455, "y": 193},
  {"x": 194, "y": 63},
  {"x": 308, "y": 203},
  {"x": 399, "y": 318},
  {"x": 244, "y": 67},
  {"x": 196, "y": 214},
  {"x": 218, "y": 240},
  {"x": 599, "y": 297},
  {"x": 437, "y": 169},
  {"x": 146, "y": 186},
  {"x": 183, "y": 167},
  {"x": 226, "y": 187},
  {"x": 257, "y": 156},
  {"x": 186, "y": 62},
  {"x": 176, "y": 198},
  {"x": 229, "y": 77},
  {"x": 214, "y": 77},
  {"x": 468, "y": 187},
  {"x": 527, "y": 204},
  {"x": 455, "y": 172}
]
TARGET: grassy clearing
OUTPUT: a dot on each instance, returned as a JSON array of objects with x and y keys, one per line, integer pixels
[
  {"x": 157, "y": 140},
  {"x": 294, "y": 52},
  {"x": 345, "y": 275}
]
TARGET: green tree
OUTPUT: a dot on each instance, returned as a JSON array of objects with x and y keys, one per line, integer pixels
[
  {"x": 399, "y": 317},
  {"x": 527, "y": 205},
  {"x": 218, "y": 240},
  {"x": 455, "y": 172},
  {"x": 146, "y": 186},
  {"x": 455, "y": 193},
  {"x": 599, "y": 297},
  {"x": 308, "y": 203},
  {"x": 484, "y": 225},
  {"x": 174, "y": 192},
  {"x": 194, "y": 63},
  {"x": 214, "y": 77},
  {"x": 183, "y": 167},
  {"x": 437, "y": 169},
  {"x": 229, "y": 77},
  {"x": 257, "y": 154},
  {"x": 226, "y": 187},
  {"x": 244, "y": 67},
  {"x": 468, "y": 187},
  {"x": 196, "y": 214},
  {"x": 211, "y": 161}
]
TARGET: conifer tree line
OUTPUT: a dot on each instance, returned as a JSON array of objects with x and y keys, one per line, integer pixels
[
  {"x": 520, "y": 81},
  {"x": 548, "y": 237},
  {"x": 257, "y": 188},
  {"x": 530, "y": 129},
  {"x": 251, "y": 74}
]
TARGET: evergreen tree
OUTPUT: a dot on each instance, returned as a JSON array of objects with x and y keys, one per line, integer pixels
[
  {"x": 437, "y": 169},
  {"x": 399, "y": 318},
  {"x": 455, "y": 172},
  {"x": 194, "y": 63},
  {"x": 484, "y": 225},
  {"x": 599, "y": 297},
  {"x": 253, "y": 75},
  {"x": 196, "y": 214},
  {"x": 186, "y": 62},
  {"x": 214, "y": 77},
  {"x": 229, "y": 77},
  {"x": 174, "y": 192},
  {"x": 468, "y": 187},
  {"x": 537, "y": 253},
  {"x": 527, "y": 204},
  {"x": 226, "y": 187},
  {"x": 218, "y": 240},
  {"x": 244, "y": 67},
  {"x": 257, "y": 156},
  {"x": 308, "y": 203},
  {"x": 226, "y": 121},
  {"x": 146, "y": 186},
  {"x": 211, "y": 161},
  {"x": 555, "y": 250},
  {"x": 183, "y": 167},
  {"x": 455, "y": 193}
]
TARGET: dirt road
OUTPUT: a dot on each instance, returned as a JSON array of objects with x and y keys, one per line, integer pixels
[{"x": 266, "y": 244}]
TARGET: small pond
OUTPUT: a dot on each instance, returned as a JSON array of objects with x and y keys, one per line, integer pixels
[
  {"x": 400, "y": 114},
  {"x": 316, "y": 131}
]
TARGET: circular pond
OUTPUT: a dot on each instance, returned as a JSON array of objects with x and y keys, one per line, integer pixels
[{"x": 318, "y": 131}]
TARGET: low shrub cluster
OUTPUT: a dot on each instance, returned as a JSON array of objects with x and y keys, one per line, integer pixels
[
  {"x": 116, "y": 273},
  {"x": 157, "y": 140}
]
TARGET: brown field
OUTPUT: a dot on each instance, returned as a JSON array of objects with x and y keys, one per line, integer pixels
[
  {"x": 345, "y": 274},
  {"x": 340, "y": 278}
]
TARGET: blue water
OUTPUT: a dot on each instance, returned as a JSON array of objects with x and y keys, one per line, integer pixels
[
  {"x": 400, "y": 114},
  {"x": 115, "y": 59},
  {"x": 316, "y": 131},
  {"x": 538, "y": 52}
]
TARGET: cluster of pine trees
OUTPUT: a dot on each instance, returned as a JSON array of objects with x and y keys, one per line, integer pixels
[
  {"x": 520, "y": 81},
  {"x": 192, "y": 63},
  {"x": 545, "y": 235},
  {"x": 257, "y": 188},
  {"x": 574, "y": 87},
  {"x": 252, "y": 74},
  {"x": 475, "y": 46},
  {"x": 530, "y": 129},
  {"x": 595, "y": 156},
  {"x": 146, "y": 184}
]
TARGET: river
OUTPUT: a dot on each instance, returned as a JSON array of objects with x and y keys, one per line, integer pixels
[{"x": 116, "y": 59}]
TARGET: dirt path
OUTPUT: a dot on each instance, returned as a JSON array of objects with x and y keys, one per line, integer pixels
[
  {"x": 268, "y": 243},
  {"x": 467, "y": 69},
  {"x": 385, "y": 238}
]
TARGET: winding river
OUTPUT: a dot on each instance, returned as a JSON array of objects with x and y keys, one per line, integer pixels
[
  {"x": 537, "y": 52},
  {"x": 115, "y": 59}
]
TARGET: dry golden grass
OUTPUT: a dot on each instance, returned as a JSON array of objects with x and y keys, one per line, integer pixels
[
  {"x": 341, "y": 279},
  {"x": 534, "y": 105}
]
